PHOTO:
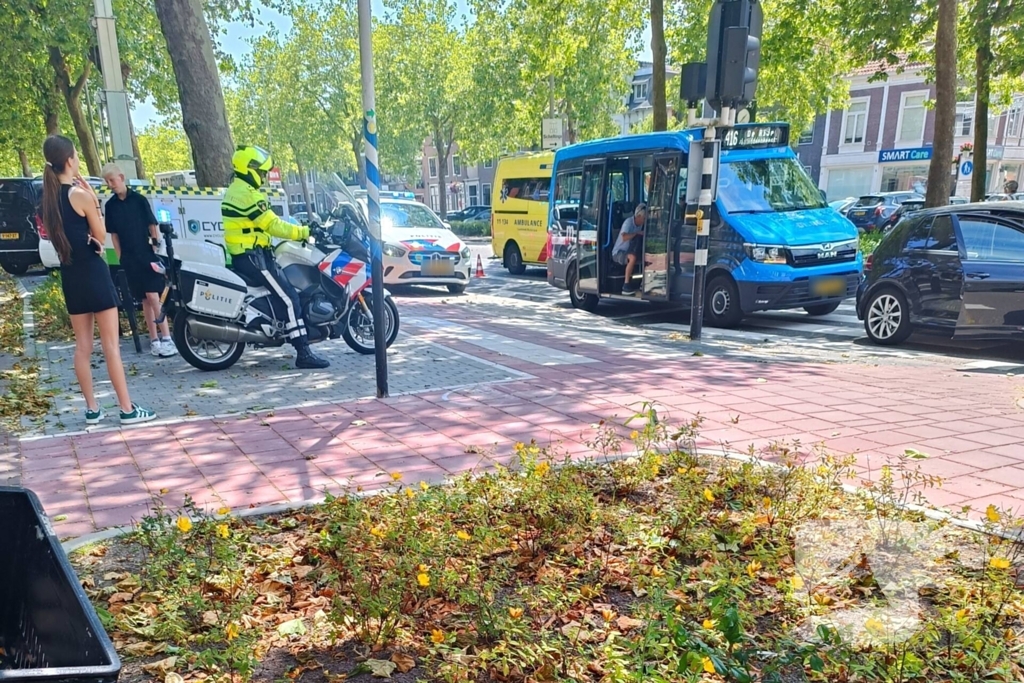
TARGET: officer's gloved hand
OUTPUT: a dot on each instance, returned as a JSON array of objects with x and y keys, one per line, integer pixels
[{"x": 303, "y": 233}]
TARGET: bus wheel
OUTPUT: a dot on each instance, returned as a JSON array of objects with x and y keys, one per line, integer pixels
[
  {"x": 722, "y": 303},
  {"x": 514, "y": 259},
  {"x": 584, "y": 302}
]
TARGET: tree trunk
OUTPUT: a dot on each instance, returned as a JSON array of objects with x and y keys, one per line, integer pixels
[
  {"x": 26, "y": 169},
  {"x": 51, "y": 111},
  {"x": 983, "y": 73},
  {"x": 442, "y": 169},
  {"x": 203, "y": 114},
  {"x": 658, "y": 51},
  {"x": 302, "y": 180},
  {"x": 72, "y": 93},
  {"x": 945, "y": 105}
]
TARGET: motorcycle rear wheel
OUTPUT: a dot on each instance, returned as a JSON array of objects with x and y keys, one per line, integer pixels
[
  {"x": 358, "y": 331},
  {"x": 202, "y": 354}
]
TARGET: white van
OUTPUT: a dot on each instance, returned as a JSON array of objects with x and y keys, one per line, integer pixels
[
  {"x": 194, "y": 213},
  {"x": 169, "y": 179}
]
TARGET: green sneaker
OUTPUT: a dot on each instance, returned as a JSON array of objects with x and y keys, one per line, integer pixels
[
  {"x": 137, "y": 415},
  {"x": 93, "y": 417}
]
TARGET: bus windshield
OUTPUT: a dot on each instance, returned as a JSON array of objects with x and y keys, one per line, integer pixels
[{"x": 767, "y": 186}]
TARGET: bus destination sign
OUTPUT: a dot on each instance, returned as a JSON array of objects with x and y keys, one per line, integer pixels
[{"x": 755, "y": 136}]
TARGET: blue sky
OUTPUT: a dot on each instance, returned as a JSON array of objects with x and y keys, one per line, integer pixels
[{"x": 235, "y": 42}]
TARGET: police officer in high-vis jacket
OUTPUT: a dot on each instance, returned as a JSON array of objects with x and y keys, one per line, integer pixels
[{"x": 248, "y": 226}]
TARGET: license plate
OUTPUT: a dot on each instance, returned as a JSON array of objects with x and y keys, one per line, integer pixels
[
  {"x": 437, "y": 267},
  {"x": 9, "y": 235},
  {"x": 858, "y": 214},
  {"x": 828, "y": 286}
]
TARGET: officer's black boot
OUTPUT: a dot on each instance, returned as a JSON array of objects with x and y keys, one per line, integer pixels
[{"x": 305, "y": 359}]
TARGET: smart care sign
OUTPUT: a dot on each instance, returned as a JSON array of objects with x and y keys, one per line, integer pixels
[{"x": 893, "y": 156}]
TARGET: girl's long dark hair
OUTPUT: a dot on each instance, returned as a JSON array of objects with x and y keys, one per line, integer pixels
[{"x": 57, "y": 150}]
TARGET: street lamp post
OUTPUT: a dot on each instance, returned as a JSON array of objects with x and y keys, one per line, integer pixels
[
  {"x": 113, "y": 88},
  {"x": 373, "y": 193}
]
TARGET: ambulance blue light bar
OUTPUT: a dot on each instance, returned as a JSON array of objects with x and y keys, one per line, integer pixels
[
  {"x": 163, "y": 216},
  {"x": 397, "y": 195}
]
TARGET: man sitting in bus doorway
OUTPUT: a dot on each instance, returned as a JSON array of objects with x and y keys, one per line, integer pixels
[{"x": 627, "y": 247}]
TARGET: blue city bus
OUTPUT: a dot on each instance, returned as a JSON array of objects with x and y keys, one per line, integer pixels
[{"x": 775, "y": 243}]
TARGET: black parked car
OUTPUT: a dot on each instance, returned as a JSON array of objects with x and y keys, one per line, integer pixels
[
  {"x": 911, "y": 206},
  {"x": 957, "y": 270},
  {"x": 19, "y": 228},
  {"x": 872, "y": 211},
  {"x": 471, "y": 213}
]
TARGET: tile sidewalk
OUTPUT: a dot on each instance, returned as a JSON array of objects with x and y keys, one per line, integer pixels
[{"x": 969, "y": 424}]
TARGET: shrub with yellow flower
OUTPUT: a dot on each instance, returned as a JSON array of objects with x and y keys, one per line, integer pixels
[{"x": 184, "y": 524}]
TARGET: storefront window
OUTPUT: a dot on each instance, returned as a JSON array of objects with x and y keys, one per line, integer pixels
[
  {"x": 848, "y": 182},
  {"x": 905, "y": 179}
]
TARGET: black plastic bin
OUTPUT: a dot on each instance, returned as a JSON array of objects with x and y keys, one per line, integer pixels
[{"x": 48, "y": 629}]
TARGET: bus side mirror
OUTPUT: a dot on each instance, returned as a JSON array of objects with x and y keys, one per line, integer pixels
[{"x": 824, "y": 197}]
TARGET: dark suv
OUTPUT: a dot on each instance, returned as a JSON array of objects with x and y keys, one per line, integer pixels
[
  {"x": 957, "y": 270},
  {"x": 19, "y": 223},
  {"x": 871, "y": 212}
]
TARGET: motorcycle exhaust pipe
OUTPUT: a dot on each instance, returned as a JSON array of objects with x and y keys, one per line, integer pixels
[{"x": 225, "y": 332}]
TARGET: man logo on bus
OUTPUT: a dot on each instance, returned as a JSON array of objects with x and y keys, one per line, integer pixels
[{"x": 193, "y": 227}]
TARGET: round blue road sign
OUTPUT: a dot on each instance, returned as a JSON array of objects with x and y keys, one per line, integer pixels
[{"x": 967, "y": 168}]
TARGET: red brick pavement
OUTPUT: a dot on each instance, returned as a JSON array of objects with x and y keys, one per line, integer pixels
[{"x": 968, "y": 424}]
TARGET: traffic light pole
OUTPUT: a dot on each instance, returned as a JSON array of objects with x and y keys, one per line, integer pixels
[{"x": 373, "y": 194}]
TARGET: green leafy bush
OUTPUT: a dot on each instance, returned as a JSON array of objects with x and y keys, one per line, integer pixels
[{"x": 472, "y": 228}]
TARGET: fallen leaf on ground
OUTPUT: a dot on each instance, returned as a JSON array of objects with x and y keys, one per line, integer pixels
[
  {"x": 210, "y": 618},
  {"x": 173, "y": 678},
  {"x": 160, "y": 668},
  {"x": 404, "y": 662},
  {"x": 628, "y": 623},
  {"x": 295, "y": 627},
  {"x": 381, "y": 668},
  {"x": 120, "y": 597}
]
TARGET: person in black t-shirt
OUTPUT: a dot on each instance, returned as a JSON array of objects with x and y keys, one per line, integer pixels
[{"x": 133, "y": 229}]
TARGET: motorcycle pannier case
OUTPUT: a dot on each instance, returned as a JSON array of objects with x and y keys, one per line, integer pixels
[{"x": 211, "y": 290}]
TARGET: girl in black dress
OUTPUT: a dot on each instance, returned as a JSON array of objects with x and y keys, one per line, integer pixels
[{"x": 71, "y": 214}]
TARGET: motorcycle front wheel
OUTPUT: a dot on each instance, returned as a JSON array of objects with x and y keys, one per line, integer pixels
[
  {"x": 204, "y": 354},
  {"x": 358, "y": 330}
]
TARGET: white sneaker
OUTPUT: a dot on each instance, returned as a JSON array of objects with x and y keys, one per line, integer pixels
[
  {"x": 156, "y": 347},
  {"x": 167, "y": 348}
]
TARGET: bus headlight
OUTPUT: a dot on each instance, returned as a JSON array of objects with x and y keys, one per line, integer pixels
[{"x": 766, "y": 253}]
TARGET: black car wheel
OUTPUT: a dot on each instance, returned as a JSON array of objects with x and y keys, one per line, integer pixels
[
  {"x": 722, "y": 302},
  {"x": 887, "y": 317},
  {"x": 822, "y": 309},
  {"x": 16, "y": 265}
]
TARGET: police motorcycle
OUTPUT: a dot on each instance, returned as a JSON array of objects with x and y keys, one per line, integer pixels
[{"x": 216, "y": 313}]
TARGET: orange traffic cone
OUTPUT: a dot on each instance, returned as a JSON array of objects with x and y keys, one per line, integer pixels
[{"x": 479, "y": 266}]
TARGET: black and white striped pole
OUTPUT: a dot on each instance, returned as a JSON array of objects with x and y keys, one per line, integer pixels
[{"x": 710, "y": 149}]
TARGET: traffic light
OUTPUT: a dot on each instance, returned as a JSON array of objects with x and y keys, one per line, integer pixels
[{"x": 734, "y": 52}]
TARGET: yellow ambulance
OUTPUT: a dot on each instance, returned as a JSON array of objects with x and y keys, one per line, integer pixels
[{"x": 519, "y": 210}]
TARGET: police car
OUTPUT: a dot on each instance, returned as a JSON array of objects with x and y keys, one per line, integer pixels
[{"x": 419, "y": 248}]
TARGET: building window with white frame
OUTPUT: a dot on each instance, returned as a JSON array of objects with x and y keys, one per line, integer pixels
[
  {"x": 485, "y": 191},
  {"x": 489, "y": 163},
  {"x": 912, "y": 117},
  {"x": 432, "y": 163},
  {"x": 964, "y": 126},
  {"x": 456, "y": 166},
  {"x": 855, "y": 122},
  {"x": 806, "y": 137},
  {"x": 434, "y": 198},
  {"x": 474, "y": 197},
  {"x": 1014, "y": 119},
  {"x": 640, "y": 91}
]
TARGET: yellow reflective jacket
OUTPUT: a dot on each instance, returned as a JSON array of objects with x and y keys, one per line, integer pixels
[{"x": 249, "y": 221}]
